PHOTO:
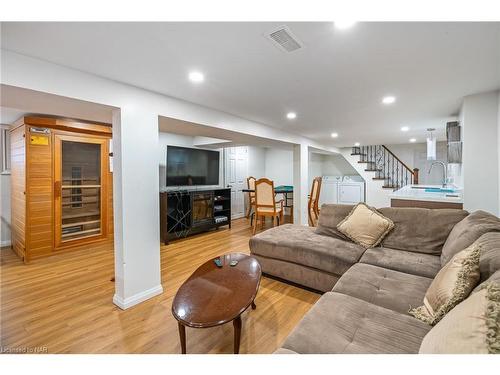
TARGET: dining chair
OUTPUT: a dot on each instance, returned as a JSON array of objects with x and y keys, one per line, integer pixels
[
  {"x": 312, "y": 205},
  {"x": 251, "y": 195},
  {"x": 265, "y": 203}
]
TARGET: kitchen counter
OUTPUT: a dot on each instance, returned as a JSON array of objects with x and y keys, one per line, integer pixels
[{"x": 417, "y": 196}]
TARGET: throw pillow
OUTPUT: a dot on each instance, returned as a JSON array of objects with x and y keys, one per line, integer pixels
[
  {"x": 472, "y": 327},
  {"x": 452, "y": 284},
  {"x": 365, "y": 226}
]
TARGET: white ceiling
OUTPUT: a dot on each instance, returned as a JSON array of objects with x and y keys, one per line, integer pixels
[{"x": 335, "y": 82}]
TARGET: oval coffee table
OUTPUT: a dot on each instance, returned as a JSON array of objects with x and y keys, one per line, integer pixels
[{"x": 213, "y": 296}]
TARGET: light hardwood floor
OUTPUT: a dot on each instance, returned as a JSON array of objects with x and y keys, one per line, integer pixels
[{"x": 64, "y": 303}]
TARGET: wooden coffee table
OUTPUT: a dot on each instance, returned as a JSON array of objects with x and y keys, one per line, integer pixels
[{"x": 213, "y": 296}]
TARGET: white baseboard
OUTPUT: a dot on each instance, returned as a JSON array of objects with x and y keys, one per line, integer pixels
[
  {"x": 137, "y": 298},
  {"x": 5, "y": 243}
]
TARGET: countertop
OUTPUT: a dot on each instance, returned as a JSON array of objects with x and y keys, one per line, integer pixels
[{"x": 409, "y": 192}]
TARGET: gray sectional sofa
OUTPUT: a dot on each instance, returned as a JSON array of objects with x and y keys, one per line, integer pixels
[{"x": 368, "y": 292}]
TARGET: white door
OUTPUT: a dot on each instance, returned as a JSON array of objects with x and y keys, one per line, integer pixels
[{"x": 236, "y": 178}]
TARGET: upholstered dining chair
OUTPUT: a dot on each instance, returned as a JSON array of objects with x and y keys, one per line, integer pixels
[
  {"x": 312, "y": 205},
  {"x": 251, "y": 196},
  {"x": 265, "y": 203}
]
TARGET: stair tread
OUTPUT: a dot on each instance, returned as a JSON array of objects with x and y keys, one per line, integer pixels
[{"x": 373, "y": 170}]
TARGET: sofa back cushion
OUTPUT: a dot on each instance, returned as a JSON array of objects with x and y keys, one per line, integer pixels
[
  {"x": 467, "y": 232},
  {"x": 330, "y": 216},
  {"x": 420, "y": 230}
]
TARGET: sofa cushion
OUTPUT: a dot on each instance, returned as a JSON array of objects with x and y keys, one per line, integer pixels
[
  {"x": 420, "y": 230},
  {"x": 472, "y": 327},
  {"x": 330, "y": 216},
  {"x": 339, "y": 323},
  {"x": 404, "y": 261},
  {"x": 452, "y": 284},
  {"x": 365, "y": 226},
  {"x": 300, "y": 244},
  {"x": 386, "y": 288},
  {"x": 284, "y": 351},
  {"x": 467, "y": 231},
  {"x": 489, "y": 261},
  {"x": 296, "y": 273}
]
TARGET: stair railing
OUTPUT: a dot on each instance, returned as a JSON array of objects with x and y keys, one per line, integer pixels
[{"x": 387, "y": 166}]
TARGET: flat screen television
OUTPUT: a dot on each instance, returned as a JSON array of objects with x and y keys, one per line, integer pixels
[{"x": 192, "y": 167}]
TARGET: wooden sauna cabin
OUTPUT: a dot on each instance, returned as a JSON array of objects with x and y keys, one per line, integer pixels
[{"x": 61, "y": 185}]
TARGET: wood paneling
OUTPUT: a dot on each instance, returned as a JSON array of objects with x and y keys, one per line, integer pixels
[
  {"x": 18, "y": 189},
  {"x": 424, "y": 204},
  {"x": 74, "y": 313},
  {"x": 68, "y": 124},
  {"x": 39, "y": 198}
]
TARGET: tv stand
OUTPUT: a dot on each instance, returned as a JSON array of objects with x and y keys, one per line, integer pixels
[{"x": 187, "y": 212}]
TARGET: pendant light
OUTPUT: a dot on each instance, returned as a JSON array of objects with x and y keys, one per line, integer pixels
[{"x": 431, "y": 145}]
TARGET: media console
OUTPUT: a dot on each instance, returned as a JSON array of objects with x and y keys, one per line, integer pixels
[{"x": 186, "y": 212}]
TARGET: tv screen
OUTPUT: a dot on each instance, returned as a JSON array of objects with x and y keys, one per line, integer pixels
[{"x": 192, "y": 167}]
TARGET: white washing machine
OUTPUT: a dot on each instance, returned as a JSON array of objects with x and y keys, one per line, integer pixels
[
  {"x": 351, "y": 190},
  {"x": 329, "y": 189}
]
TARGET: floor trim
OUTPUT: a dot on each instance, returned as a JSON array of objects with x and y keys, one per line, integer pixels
[
  {"x": 137, "y": 298},
  {"x": 7, "y": 243}
]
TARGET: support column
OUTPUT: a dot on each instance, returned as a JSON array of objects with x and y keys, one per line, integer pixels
[
  {"x": 300, "y": 179},
  {"x": 136, "y": 206}
]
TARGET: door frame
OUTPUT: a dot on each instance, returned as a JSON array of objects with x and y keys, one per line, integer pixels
[{"x": 58, "y": 138}]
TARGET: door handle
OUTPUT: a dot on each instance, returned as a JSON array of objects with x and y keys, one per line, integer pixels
[
  {"x": 229, "y": 186},
  {"x": 57, "y": 189}
]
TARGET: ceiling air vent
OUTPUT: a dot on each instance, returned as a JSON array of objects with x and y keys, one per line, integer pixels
[{"x": 284, "y": 39}]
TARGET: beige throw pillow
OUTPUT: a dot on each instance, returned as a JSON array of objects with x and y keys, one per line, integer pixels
[
  {"x": 365, "y": 226},
  {"x": 452, "y": 284},
  {"x": 472, "y": 327}
]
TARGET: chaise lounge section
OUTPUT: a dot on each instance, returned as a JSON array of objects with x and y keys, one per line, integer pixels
[{"x": 369, "y": 292}]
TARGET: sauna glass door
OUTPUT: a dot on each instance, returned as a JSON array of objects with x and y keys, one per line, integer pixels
[{"x": 80, "y": 188}]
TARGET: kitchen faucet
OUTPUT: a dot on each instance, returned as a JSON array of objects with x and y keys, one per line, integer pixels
[{"x": 445, "y": 174}]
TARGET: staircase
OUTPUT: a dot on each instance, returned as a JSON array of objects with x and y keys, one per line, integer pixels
[{"x": 386, "y": 166}]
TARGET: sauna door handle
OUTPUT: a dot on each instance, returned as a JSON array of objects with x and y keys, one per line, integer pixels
[{"x": 57, "y": 189}]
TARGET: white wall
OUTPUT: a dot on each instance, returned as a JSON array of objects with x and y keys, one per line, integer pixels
[
  {"x": 256, "y": 161},
  {"x": 279, "y": 166},
  {"x": 481, "y": 161},
  {"x": 5, "y": 210},
  {"x": 328, "y": 165}
]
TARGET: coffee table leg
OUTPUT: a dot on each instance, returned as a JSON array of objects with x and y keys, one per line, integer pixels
[
  {"x": 254, "y": 306},
  {"x": 237, "y": 334},
  {"x": 182, "y": 335}
]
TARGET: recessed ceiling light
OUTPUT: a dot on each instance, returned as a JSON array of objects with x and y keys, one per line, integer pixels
[
  {"x": 344, "y": 24},
  {"x": 413, "y": 140},
  {"x": 335, "y": 135},
  {"x": 291, "y": 115},
  {"x": 357, "y": 144},
  {"x": 388, "y": 99},
  {"x": 196, "y": 77},
  {"x": 405, "y": 128}
]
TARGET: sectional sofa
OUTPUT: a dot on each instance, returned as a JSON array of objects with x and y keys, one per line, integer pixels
[{"x": 368, "y": 292}]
